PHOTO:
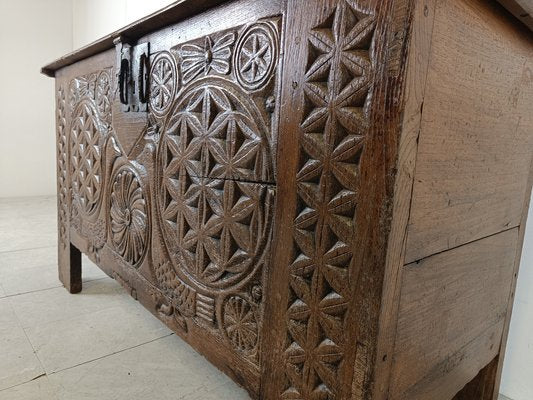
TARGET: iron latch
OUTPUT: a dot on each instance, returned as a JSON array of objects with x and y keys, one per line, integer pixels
[{"x": 133, "y": 74}]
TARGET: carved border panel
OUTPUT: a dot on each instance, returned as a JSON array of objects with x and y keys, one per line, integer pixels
[
  {"x": 337, "y": 83},
  {"x": 62, "y": 167}
]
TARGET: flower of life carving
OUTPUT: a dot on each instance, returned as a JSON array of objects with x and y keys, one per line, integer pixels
[
  {"x": 163, "y": 82},
  {"x": 216, "y": 228},
  {"x": 85, "y": 158},
  {"x": 338, "y": 79},
  {"x": 128, "y": 216},
  {"x": 62, "y": 163},
  {"x": 256, "y": 55}
]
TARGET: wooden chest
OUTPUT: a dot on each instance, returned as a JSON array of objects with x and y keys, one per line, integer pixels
[{"x": 326, "y": 198}]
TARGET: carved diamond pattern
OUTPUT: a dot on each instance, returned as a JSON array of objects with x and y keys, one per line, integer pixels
[
  {"x": 62, "y": 166},
  {"x": 85, "y": 158},
  {"x": 338, "y": 81}
]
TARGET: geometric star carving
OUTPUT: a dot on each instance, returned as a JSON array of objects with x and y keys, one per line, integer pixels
[{"x": 339, "y": 76}]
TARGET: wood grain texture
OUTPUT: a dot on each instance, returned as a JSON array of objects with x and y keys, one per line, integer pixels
[
  {"x": 451, "y": 317},
  {"x": 475, "y": 143},
  {"x": 482, "y": 386},
  {"x": 421, "y": 25}
]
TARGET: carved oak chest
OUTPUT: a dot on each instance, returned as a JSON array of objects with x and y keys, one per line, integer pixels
[{"x": 326, "y": 198}]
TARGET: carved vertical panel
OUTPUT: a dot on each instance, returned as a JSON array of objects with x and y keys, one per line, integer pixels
[
  {"x": 337, "y": 84},
  {"x": 62, "y": 168},
  {"x": 211, "y": 103},
  {"x": 89, "y": 102}
]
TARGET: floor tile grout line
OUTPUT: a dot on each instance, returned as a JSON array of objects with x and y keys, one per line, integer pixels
[
  {"x": 54, "y": 264},
  {"x": 31, "y": 248},
  {"x": 110, "y": 354},
  {"x": 24, "y": 383},
  {"x": 47, "y": 375},
  {"x": 27, "y": 337},
  {"x": 50, "y": 288}
]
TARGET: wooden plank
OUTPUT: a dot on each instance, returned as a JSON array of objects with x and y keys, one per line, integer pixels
[
  {"x": 451, "y": 318},
  {"x": 482, "y": 386},
  {"x": 421, "y": 30},
  {"x": 475, "y": 144}
]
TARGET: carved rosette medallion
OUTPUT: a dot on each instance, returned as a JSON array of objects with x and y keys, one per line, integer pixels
[
  {"x": 216, "y": 226},
  {"x": 163, "y": 83},
  {"x": 85, "y": 158},
  {"x": 256, "y": 55},
  {"x": 128, "y": 216},
  {"x": 240, "y": 324},
  {"x": 338, "y": 81},
  {"x": 62, "y": 167}
]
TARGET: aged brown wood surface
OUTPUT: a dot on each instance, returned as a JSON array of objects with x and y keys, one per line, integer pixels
[
  {"x": 451, "y": 321},
  {"x": 417, "y": 64},
  {"x": 475, "y": 142},
  {"x": 325, "y": 198}
]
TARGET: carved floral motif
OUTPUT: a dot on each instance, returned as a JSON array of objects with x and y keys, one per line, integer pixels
[
  {"x": 256, "y": 55},
  {"x": 213, "y": 55},
  {"x": 103, "y": 94},
  {"x": 163, "y": 82},
  {"x": 128, "y": 216},
  {"x": 240, "y": 324},
  {"x": 337, "y": 84}
]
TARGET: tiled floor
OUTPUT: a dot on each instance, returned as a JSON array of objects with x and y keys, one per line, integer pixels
[{"x": 99, "y": 344}]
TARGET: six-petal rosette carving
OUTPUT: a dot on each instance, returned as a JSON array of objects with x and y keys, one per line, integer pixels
[{"x": 163, "y": 82}]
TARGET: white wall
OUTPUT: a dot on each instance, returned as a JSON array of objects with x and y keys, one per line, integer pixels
[
  {"x": 517, "y": 381},
  {"x": 32, "y": 33},
  {"x": 96, "y": 18}
]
